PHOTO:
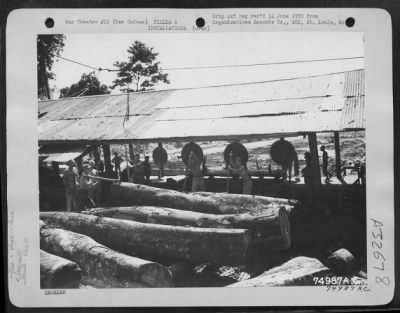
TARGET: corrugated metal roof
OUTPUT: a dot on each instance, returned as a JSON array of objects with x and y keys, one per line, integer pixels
[
  {"x": 332, "y": 102},
  {"x": 61, "y": 153}
]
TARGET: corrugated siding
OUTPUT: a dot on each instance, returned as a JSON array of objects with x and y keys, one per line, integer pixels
[
  {"x": 353, "y": 114},
  {"x": 331, "y": 102}
]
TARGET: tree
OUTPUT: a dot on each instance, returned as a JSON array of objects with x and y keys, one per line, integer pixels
[
  {"x": 88, "y": 85},
  {"x": 48, "y": 47},
  {"x": 142, "y": 70}
]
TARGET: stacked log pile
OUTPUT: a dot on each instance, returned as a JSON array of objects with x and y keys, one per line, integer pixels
[
  {"x": 106, "y": 266},
  {"x": 162, "y": 238}
]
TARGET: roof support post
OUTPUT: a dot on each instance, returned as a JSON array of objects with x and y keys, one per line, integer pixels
[
  {"x": 107, "y": 159},
  {"x": 96, "y": 154},
  {"x": 337, "y": 156},
  {"x": 79, "y": 164},
  {"x": 131, "y": 151},
  {"x": 315, "y": 170}
]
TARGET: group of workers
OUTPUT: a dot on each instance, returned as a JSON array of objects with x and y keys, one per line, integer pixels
[
  {"x": 234, "y": 166},
  {"x": 82, "y": 188},
  {"x": 88, "y": 185}
]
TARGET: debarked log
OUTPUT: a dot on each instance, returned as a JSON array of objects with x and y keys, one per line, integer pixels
[
  {"x": 57, "y": 272},
  {"x": 270, "y": 226},
  {"x": 299, "y": 271},
  {"x": 104, "y": 266},
  {"x": 159, "y": 242},
  {"x": 127, "y": 194}
]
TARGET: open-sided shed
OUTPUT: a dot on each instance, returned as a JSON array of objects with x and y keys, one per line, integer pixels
[{"x": 287, "y": 107}]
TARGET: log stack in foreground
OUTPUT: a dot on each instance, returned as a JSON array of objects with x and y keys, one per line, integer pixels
[
  {"x": 128, "y": 194},
  {"x": 104, "y": 266},
  {"x": 270, "y": 226},
  {"x": 57, "y": 272},
  {"x": 158, "y": 242}
]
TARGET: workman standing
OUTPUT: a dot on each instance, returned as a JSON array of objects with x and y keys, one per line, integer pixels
[
  {"x": 147, "y": 169},
  {"x": 138, "y": 170},
  {"x": 71, "y": 184},
  {"x": 160, "y": 157},
  {"x": 194, "y": 163},
  {"x": 325, "y": 164},
  {"x": 236, "y": 167}
]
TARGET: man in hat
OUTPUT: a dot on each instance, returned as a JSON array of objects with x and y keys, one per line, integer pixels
[
  {"x": 87, "y": 184},
  {"x": 71, "y": 184}
]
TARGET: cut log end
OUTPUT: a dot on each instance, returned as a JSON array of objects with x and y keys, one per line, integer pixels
[
  {"x": 155, "y": 275},
  {"x": 57, "y": 272}
]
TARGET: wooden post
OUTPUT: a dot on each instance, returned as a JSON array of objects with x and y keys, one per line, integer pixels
[
  {"x": 96, "y": 154},
  {"x": 337, "y": 156},
  {"x": 107, "y": 159},
  {"x": 131, "y": 151},
  {"x": 315, "y": 169},
  {"x": 79, "y": 164}
]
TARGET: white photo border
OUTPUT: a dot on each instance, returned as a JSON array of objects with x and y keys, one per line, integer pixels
[{"x": 22, "y": 140}]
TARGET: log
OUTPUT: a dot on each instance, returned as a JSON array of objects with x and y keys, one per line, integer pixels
[
  {"x": 160, "y": 242},
  {"x": 270, "y": 227},
  {"x": 127, "y": 194},
  {"x": 342, "y": 262},
  {"x": 105, "y": 267},
  {"x": 57, "y": 272},
  {"x": 299, "y": 271}
]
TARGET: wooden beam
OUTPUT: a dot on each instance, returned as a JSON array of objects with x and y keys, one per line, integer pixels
[
  {"x": 315, "y": 169},
  {"x": 79, "y": 164},
  {"x": 131, "y": 151},
  {"x": 337, "y": 156},
  {"x": 96, "y": 154},
  {"x": 107, "y": 158}
]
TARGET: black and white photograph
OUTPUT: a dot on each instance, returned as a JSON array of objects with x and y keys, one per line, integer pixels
[{"x": 216, "y": 160}]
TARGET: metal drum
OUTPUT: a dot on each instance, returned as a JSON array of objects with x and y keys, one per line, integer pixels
[
  {"x": 282, "y": 152},
  {"x": 191, "y": 146},
  {"x": 238, "y": 150},
  {"x": 160, "y": 156}
]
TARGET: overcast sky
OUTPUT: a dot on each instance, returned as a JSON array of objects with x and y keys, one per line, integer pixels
[{"x": 189, "y": 50}]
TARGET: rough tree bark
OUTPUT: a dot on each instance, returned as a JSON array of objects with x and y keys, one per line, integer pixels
[
  {"x": 296, "y": 272},
  {"x": 126, "y": 194},
  {"x": 105, "y": 267},
  {"x": 271, "y": 226},
  {"x": 159, "y": 242},
  {"x": 57, "y": 272}
]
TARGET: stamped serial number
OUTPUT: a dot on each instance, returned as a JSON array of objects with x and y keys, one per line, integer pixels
[
  {"x": 54, "y": 292},
  {"x": 335, "y": 280}
]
